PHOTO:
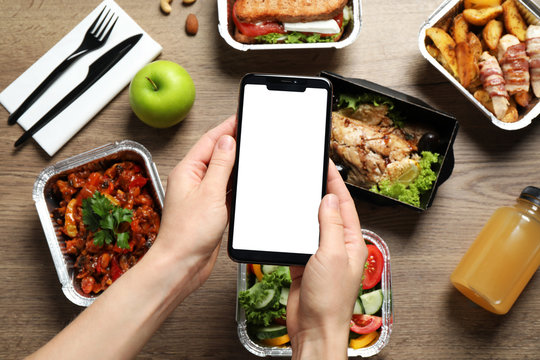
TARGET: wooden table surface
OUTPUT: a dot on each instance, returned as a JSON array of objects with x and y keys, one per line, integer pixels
[{"x": 432, "y": 320}]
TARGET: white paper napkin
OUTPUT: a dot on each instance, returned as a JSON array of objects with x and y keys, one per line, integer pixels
[{"x": 57, "y": 132}]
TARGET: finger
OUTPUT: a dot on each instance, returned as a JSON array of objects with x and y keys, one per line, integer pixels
[
  {"x": 220, "y": 167},
  {"x": 354, "y": 241},
  {"x": 203, "y": 149},
  {"x": 194, "y": 165},
  {"x": 335, "y": 185},
  {"x": 331, "y": 225}
]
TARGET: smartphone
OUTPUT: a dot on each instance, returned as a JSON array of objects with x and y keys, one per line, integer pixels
[{"x": 281, "y": 166}]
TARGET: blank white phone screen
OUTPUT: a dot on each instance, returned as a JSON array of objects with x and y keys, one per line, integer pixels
[{"x": 280, "y": 172}]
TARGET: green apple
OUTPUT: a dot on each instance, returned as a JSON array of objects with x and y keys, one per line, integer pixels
[{"x": 161, "y": 94}]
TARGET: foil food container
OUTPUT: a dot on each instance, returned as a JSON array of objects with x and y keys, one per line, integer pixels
[
  {"x": 45, "y": 204},
  {"x": 226, "y": 30},
  {"x": 415, "y": 109},
  {"x": 530, "y": 12},
  {"x": 280, "y": 351}
]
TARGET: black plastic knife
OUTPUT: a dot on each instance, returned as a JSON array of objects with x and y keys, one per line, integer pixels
[{"x": 95, "y": 71}]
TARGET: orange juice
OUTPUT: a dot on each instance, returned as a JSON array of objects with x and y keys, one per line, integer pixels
[{"x": 504, "y": 256}]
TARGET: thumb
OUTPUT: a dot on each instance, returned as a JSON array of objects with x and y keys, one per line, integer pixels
[
  {"x": 331, "y": 225},
  {"x": 221, "y": 164}
]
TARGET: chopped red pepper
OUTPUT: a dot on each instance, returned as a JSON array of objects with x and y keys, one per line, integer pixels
[
  {"x": 116, "y": 272},
  {"x": 137, "y": 181}
]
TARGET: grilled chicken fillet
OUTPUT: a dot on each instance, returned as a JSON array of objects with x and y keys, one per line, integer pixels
[{"x": 370, "y": 148}]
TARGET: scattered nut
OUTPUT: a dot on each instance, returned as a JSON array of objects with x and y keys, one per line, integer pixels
[
  {"x": 192, "y": 24},
  {"x": 188, "y": 2},
  {"x": 166, "y": 6}
]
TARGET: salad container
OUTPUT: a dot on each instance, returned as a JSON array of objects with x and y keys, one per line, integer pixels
[
  {"x": 530, "y": 11},
  {"x": 280, "y": 351},
  {"x": 226, "y": 30},
  {"x": 413, "y": 108},
  {"x": 45, "y": 203}
]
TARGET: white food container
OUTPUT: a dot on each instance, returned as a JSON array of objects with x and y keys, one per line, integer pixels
[
  {"x": 45, "y": 204},
  {"x": 387, "y": 311},
  {"x": 445, "y": 12},
  {"x": 226, "y": 30}
]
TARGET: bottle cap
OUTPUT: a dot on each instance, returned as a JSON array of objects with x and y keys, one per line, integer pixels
[{"x": 532, "y": 194}]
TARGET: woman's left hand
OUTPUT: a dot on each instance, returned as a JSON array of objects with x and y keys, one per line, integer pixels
[{"x": 195, "y": 212}]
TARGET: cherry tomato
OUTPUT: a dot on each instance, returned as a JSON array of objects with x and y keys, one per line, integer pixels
[
  {"x": 258, "y": 29},
  {"x": 281, "y": 321},
  {"x": 364, "y": 324},
  {"x": 339, "y": 20},
  {"x": 374, "y": 267}
]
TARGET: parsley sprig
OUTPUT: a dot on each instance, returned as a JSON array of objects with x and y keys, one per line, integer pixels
[{"x": 99, "y": 213}]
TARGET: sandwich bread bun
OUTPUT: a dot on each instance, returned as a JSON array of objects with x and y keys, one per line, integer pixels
[{"x": 253, "y": 11}]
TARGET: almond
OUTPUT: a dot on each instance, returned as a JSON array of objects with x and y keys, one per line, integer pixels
[{"x": 192, "y": 24}]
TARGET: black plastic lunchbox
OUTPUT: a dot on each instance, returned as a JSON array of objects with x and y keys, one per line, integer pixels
[{"x": 413, "y": 108}]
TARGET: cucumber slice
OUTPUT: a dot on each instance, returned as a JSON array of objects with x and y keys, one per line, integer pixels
[
  {"x": 358, "y": 307},
  {"x": 270, "y": 294},
  {"x": 284, "y": 296},
  {"x": 269, "y": 332},
  {"x": 268, "y": 269},
  {"x": 372, "y": 301}
]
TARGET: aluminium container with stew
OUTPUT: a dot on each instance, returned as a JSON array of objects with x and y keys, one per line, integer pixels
[
  {"x": 415, "y": 109},
  {"x": 280, "y": 351},
  {"x": 226, "y": 30},
  {"x": 45, "y": 203},
  {"x": 530, "y": 12}
]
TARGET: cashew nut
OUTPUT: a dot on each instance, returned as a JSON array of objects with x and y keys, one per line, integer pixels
[
  {"x": 187, "y": 2},
  {"x": 165, "y": 6}
]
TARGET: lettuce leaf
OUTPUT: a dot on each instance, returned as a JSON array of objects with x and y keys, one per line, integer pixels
[
  {"x": 353, "y": 102},
  {"x": 294, "y": 38},
  {"x": 411, "y": 194},
  {"x": 251, "y": 298}
]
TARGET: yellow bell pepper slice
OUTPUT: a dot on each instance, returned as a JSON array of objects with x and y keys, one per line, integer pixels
[
  {"x": 112, "y": 199},
  {"x": 70, "y": 224},
  {"x": 280, "y": 340},
  {"x": 363, "y": 340},
  {"x": 257, "y": 271}
]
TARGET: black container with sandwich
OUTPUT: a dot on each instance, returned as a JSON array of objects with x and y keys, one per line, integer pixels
[{"x": 390, "y": 148}]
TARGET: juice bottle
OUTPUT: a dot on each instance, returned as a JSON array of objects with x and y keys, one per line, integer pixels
[{"x": 504, "y": 256}]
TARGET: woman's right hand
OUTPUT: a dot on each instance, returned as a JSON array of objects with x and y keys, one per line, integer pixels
[{"x": 322, "y": 294}]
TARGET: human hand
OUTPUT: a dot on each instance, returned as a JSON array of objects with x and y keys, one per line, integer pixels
[
  {"x": 195, "y": 211},
  {"x": 322, "y": 294}
]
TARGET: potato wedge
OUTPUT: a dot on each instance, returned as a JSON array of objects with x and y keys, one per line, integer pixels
[
  {"x": 483, "y": 97},
  {"x": 511, "y": 115},
  {"x": 460, "y": 29},
  {"x": 446, "y": 46},
  {"x": 475, "y": 45},
  {"x": 523, "y": 98},
  {"x": 481, "y": 17},
  {"x": 465, "y": 62},
  {"x": 476, "y": 84},
  {"x": 492, "y": 33},
  {"x": 513, "y": 21},
  {"x": 433, "y": 51},
  {"x": 480, "y": 4}
]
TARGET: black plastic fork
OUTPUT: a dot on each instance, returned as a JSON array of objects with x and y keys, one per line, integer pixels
[{"x": 96, "y": 36}]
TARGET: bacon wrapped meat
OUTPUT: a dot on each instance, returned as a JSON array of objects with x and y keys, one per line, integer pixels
[
  {"x": 515, "y": 64},
  {"x": 533, "y": 50},
  {"x": 493, "y": 82}
]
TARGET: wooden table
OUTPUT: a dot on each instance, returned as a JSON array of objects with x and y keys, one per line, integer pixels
[{"x": 432, "y": 320}]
